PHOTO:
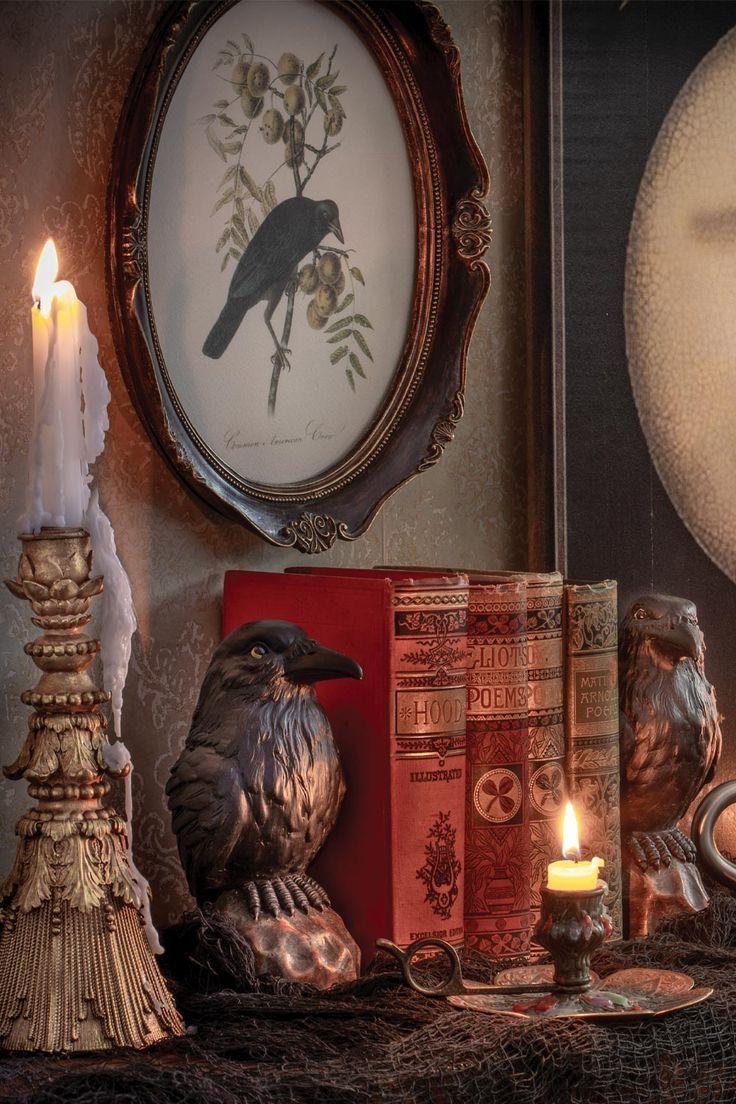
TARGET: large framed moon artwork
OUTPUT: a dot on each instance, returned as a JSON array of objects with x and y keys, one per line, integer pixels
[
  {"x": 679, "y": 304},
  {"x": 296, "y": 245}
]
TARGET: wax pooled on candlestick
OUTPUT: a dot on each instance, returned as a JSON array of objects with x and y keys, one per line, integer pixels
[
  {"x": 118, "y": 621},
  {"x": 118, "y": 624}
]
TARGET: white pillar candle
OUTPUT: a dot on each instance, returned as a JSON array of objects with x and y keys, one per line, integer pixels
[{"x": 57, "y": 482}]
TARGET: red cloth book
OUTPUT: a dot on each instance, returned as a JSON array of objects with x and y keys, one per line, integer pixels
[
  {"x": 393, "y": 864},
  {"x": 592, "y": 726},
  {"x": 498, "y": 917}
]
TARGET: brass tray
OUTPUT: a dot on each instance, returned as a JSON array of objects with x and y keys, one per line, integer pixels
[{"x": 648, "y": 992}]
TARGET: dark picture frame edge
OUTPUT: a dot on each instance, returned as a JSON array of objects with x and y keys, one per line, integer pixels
[
  {"x": 421, "y": 64},
  {"x": 545, "y": 462}
]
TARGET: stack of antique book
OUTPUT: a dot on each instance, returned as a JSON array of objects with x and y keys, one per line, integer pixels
[{"x": 487, "y": 699}]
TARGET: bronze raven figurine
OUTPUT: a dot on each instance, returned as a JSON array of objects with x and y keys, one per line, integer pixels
[
  {"x": 258, "y": 785},
  {"x": 670, "y": 745},
  {"x": 671, "y": 736}
]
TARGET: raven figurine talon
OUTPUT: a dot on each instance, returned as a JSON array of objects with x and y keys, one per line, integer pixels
[
  {"x": 254, "y": 794},
  {"x": 670, "y": 745}
]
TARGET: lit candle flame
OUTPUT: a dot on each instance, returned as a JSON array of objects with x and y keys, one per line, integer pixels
[
  {"x": 570, "y": 836},
  {"x": 43, "y": 282}
]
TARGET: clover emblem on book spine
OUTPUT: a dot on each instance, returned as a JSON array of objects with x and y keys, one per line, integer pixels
[{"x": 276, "y": 244}]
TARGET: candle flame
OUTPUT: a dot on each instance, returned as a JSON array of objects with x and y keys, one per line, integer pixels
[
  {"x": 46, "y": 272},
  {"x": 570, "y": 836}
]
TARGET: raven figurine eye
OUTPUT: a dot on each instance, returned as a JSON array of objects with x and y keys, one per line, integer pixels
[
  {"x": 258, "y": 651},
  {"x": 640, "y": 614}
]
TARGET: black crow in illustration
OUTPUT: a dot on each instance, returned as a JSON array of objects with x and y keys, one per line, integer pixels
[
  {"x": 258, "y": 785},
  {"x": 288, "y": 233},
  {"x": 670, "y": 730}
]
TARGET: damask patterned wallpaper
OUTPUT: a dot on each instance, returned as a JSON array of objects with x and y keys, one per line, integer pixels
[{"x": 64, "y": 69}]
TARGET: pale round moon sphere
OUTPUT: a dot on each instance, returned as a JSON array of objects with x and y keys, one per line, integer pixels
[{"x": 680, "y": 303}]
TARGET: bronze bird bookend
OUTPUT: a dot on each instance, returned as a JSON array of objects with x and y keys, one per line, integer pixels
[
  {"x": 255, "y": 793},
  {"x": 670, "y": 745}
]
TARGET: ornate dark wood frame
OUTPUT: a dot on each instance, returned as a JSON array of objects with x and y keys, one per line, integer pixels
[{"x": 421, "y": 65}]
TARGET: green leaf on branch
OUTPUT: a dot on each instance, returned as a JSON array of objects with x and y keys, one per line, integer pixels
[
  {"x": 338, "y": 90},
  {"x": 314, "y": 68},
  {"x": 234, "y": 45},
  {"x": 339, "y": 354},
  {"x": 321, "y": 99},
  {"x": 237, "y": 221},
  {"x": 232, "y": 147},
  {"x": 351, "y": 381},
  {"x": 326, "y": 81},
  {"x": 269, "y": 195},
  {"x": 225, "y": 260},
  {"x": 222, "y": 104},
  {"x": 216, "y": 144},
  {"x": 357, "y": 366},
  {"x": 362, "y": 344},
  {"x": 228, "y": 176},
  {"x": 208, "y": 119},
  {"x": 224, "y": 198},
  {"x": 253, "y": 223},
  {"x": 239, "y": 236},
  {"x": 226, "y": 120},
  {"x": 339, "y": 337},
  {"x": 250, "y": 185},
  {"x": 345, "y": 303},
  {"x": 339, "y": 324},
  {"x": 224, "y": 236},
  {"x": 357, "y": 275},
  {"x": 362, "y": 321}
]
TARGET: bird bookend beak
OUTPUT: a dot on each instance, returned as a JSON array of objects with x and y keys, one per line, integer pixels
[
  {"x": 336, "y": 229},
  {"x": 321, "y": 664},
  {"x": 685, "y": 639}
]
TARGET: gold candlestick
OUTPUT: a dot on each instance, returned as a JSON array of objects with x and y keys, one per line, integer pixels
[{"x": 76, "y": 970}]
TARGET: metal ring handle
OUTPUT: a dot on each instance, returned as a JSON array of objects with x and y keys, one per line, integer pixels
[
  {"x": 452, "y": 985},
  {"x": 703, "y": 829}
]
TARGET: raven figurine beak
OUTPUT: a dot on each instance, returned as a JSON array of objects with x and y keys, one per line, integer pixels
[
  {"x": 336, "y": 229},
  {"x": 684, "y": 639},
  {"x": 321, "y": 664}
]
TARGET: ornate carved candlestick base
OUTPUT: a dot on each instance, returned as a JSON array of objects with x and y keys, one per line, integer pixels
[
  {"x": 76, "y": 971},
  {"x": 571, "y": 927}
]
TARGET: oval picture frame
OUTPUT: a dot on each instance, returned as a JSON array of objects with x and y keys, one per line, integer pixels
[{"x": 406, "y": 428}]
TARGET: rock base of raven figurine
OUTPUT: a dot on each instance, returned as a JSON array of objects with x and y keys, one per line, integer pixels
[
  {"x": 309, "y": 944},
  {"x": 656, "y": 895}
]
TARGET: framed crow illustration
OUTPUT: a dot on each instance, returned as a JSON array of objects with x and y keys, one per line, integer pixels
[{"x": 296, "y": 246}]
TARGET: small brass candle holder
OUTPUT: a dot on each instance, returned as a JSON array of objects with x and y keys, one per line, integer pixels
[{"x": 572, "y": 925}]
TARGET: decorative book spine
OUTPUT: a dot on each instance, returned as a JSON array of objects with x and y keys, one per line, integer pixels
[
  {"x": 497, "y": 859},
  {"x": 592, "y": 725},
  {"x": 546, "y": 728},
  {"x": 428, "y": 710}
]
